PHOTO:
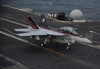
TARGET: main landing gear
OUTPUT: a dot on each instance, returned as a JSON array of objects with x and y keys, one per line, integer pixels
[
  {"x": 49, "y": 38},
  {"x": 68, "y": 44},
  {"x": 45, "y": 41}
]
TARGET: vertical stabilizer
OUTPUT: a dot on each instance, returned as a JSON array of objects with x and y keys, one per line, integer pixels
[{"x": 32, "y": 23}]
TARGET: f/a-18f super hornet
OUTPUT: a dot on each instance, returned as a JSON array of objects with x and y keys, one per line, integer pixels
[{"x": 40, "y": 31}]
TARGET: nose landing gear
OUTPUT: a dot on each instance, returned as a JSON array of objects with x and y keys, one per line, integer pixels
[{"x": 68, "y": 46}]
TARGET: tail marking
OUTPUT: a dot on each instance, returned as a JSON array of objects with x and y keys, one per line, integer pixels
[{"x": 32, "y": 23}]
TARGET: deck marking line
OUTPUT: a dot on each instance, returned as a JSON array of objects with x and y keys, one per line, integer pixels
[
  {"x": 13, "y": 61},
  {"x": 14, "y": 22}
]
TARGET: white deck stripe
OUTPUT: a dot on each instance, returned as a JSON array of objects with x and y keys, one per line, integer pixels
[
  {"x": 13, "y": 61},
  {"x": 14, "y": 22}
]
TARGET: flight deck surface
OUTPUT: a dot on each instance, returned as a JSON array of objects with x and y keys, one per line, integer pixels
[{"x": 26, "y": 53}]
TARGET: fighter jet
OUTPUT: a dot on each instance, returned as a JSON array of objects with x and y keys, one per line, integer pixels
[{"x": 39, "y": 31}]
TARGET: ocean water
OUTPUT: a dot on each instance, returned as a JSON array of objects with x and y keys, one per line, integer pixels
[{"x": 90, "y": 8}]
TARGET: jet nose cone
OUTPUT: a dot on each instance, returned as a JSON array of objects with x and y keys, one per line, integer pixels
[{"x": 88, "y": 41}]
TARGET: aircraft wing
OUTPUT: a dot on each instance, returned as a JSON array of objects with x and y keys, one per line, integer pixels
[
  {"x": 40, "y": 33},
  {"x": 33, "y": 33},
  {"x": 54, "y": 33}
]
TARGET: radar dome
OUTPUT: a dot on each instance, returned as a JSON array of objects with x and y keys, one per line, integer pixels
[{"x": 76, "y": 14}]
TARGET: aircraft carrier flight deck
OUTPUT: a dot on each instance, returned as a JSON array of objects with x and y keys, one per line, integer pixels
[{"x": 26, "y": 53}]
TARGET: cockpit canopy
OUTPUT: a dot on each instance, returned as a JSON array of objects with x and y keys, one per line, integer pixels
[{"x": 68, "y": 30}]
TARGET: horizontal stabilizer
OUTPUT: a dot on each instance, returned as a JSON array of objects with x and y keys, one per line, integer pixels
[
  {"x": 22, "y": 30},
  {"x": 31, "y": 34}
]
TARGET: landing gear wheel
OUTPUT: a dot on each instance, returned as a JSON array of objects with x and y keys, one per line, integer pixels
[
  {"x": 45, "y": 41},
  {"x": 68, "y": 47},
  {"x": 42, "y": 45}
]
